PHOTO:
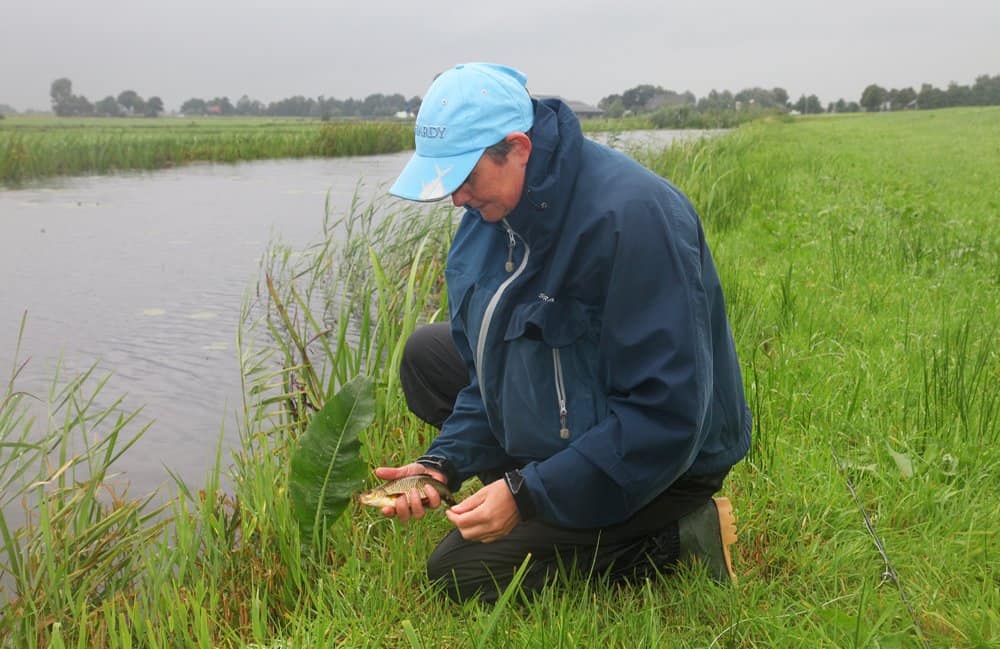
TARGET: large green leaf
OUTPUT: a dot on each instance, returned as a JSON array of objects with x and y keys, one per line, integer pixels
[{"x": 327, "y": 469}]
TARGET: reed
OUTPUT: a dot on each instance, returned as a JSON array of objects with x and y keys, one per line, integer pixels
[
  {"x": 37, "y": 148},
  {"x": 859, "y": 257}
]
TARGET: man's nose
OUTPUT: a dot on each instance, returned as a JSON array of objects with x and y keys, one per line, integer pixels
[{"x": 459, "y": 197}]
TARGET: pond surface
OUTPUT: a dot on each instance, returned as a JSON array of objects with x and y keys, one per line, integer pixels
[{"x": 145, "y": 275}]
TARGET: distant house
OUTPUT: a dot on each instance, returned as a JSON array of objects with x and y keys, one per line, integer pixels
[{"x": 582, "y": 110}]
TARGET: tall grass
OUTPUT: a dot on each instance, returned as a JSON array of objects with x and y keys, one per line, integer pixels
[
  {"x": 859, "y": 258},
  {"x": 32, "y": 149}
]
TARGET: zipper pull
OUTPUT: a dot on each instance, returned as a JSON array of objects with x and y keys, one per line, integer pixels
[
  {"x": 560, "y": 394},
  {"x": 509, "y": 266},
  {"x": 563, "y": 429}
]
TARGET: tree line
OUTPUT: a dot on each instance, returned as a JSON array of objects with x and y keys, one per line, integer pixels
[
  {"x": 654, "y": 100},
  {"x": 128, "y": 102},
  {"x": 667, "y": 107}
]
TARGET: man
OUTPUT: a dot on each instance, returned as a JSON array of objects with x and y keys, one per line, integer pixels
[{"x": 589, "y": 377}]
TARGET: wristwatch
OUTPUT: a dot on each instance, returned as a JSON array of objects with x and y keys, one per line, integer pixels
[{"x": 522, "y": 497}]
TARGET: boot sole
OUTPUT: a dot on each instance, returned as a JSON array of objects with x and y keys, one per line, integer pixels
[{"x": 727, "y": 529}]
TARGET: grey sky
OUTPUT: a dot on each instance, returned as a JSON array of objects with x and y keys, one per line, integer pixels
[{"x": 582, "y": 49}]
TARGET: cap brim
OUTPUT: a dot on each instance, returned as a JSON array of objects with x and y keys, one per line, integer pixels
[{"x": 431, "y": 179}]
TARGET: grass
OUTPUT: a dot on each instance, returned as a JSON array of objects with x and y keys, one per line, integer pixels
[
  {"x": 33, "y": 147},
  {"x": 37, "y": 146},
  {"x": 861, "y": 261}
]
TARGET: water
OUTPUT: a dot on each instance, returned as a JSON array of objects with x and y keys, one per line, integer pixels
[{"x": 145, "y": 274}]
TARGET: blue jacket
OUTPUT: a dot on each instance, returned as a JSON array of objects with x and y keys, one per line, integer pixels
[{"x": 594, "y": 328}]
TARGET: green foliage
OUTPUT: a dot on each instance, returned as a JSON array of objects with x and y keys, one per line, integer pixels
[
  {"x": 872, "y": 97},
  {"x": 326, "y": 466}
]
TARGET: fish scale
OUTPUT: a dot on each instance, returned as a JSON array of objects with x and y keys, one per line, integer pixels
[{"x": 385, "y": 494}]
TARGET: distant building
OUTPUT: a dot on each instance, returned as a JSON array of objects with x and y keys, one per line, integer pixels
[{"x": 582, "y": 110}]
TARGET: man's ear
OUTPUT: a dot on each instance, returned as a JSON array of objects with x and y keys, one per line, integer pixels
[{"x": 520, "y": 147}]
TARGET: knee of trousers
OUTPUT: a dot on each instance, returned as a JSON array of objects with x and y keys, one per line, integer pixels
[
  {"x": 463, "y": 574},
  {"x": 413, "y": 369}
]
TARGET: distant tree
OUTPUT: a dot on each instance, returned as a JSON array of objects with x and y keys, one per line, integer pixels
[
  {"x": 65, "y": 103},
  {"x": 352, "y": 107},
  {"x": 7, "y": 110},
  {"x": 379, "y": 105},
  {"x": 131, "y": 101},
  {"x": 297, "y": 106},
  {"x": 852, "y": 107},
  {"x": 413, "y": 104},
  {"x": 220, "y": 106},
  {"x": 61, "y": 92},
  {"x": 780, "y": 96},
  {"x": 154, "y": 106},
  {"x": 81, "y": 107},
  {"x": 930, "y": 97},
  {"x": 872, "y": 97},
  {"x": 986, "y": 90},
  {"x": 109, "y": 107},
  {"x": 958, "y": 95},
  {"x": 763, "y": 98},
  {"x": 717, "y": 101},
  {"x": 193, "y": 106},
  {"x": 635, "y": 99},
  {"x": 901, "y": 98},
  {"x": 840, "y": 106},
  {"x": 247, "y": 106},
  {"x": 614, "y": 109}
]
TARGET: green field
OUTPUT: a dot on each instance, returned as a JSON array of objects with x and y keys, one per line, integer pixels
[
  {"x": 33, "y": 147},
  {"x": 861, "y": 261}
]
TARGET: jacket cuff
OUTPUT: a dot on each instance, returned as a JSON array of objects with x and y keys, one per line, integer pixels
[
  {"x": 445, "y": 466},
  {"x": 522, "y": 497}
]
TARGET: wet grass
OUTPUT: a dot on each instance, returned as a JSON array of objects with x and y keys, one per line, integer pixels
[
  {"x": 33, "y": 147},
  {"x": 861, "y": 261}
]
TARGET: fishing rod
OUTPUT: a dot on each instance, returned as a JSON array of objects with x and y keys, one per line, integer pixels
[{"x": 889, "y": 573}]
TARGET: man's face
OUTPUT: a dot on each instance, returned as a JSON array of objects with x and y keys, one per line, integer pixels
[{"x": 494, "y": 188}]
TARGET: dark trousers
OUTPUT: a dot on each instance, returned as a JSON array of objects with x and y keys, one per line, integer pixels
[{"x": 432, "y": 374}]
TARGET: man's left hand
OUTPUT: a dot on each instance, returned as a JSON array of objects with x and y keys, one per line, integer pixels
[{"x": 486, "y": 515}]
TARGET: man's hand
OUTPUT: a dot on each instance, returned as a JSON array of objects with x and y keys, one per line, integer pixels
[
  {"x": 411, "y": 505},
  {"x": 486, "y": 515}
]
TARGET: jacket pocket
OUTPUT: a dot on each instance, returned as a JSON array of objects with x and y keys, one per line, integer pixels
[{"x": 548, "y": 388}]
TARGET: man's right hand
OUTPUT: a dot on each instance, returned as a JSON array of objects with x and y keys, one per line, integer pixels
[{"x": 411, "y": 505}]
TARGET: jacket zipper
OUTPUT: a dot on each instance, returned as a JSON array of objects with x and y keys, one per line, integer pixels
[
  {"x": 492, "y": 305},
  {"x": 560, "y": 394}
]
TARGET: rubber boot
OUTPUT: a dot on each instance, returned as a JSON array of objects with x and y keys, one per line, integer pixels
[{"x": 706, "y": 535}]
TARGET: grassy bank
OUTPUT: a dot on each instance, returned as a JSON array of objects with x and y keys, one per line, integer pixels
[
  {"x": 36, "y": 147},
  {"x": 33, "y": 147},
  {"x": 861, "y": 261}
]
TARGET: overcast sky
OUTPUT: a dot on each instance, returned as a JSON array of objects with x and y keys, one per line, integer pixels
[{"x": 582, "y": 49}]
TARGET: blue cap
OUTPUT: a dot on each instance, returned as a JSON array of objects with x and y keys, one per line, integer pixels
[{"x": 467, "y": 109}]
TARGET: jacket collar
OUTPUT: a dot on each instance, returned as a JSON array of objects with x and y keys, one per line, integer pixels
[{"x": 556, "y": 140}]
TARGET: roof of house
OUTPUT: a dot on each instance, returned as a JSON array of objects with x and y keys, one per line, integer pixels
[{"x": 578, "y": 107}]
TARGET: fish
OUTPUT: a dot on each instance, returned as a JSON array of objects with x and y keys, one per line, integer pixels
[{"x": 386, "y": 493}]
